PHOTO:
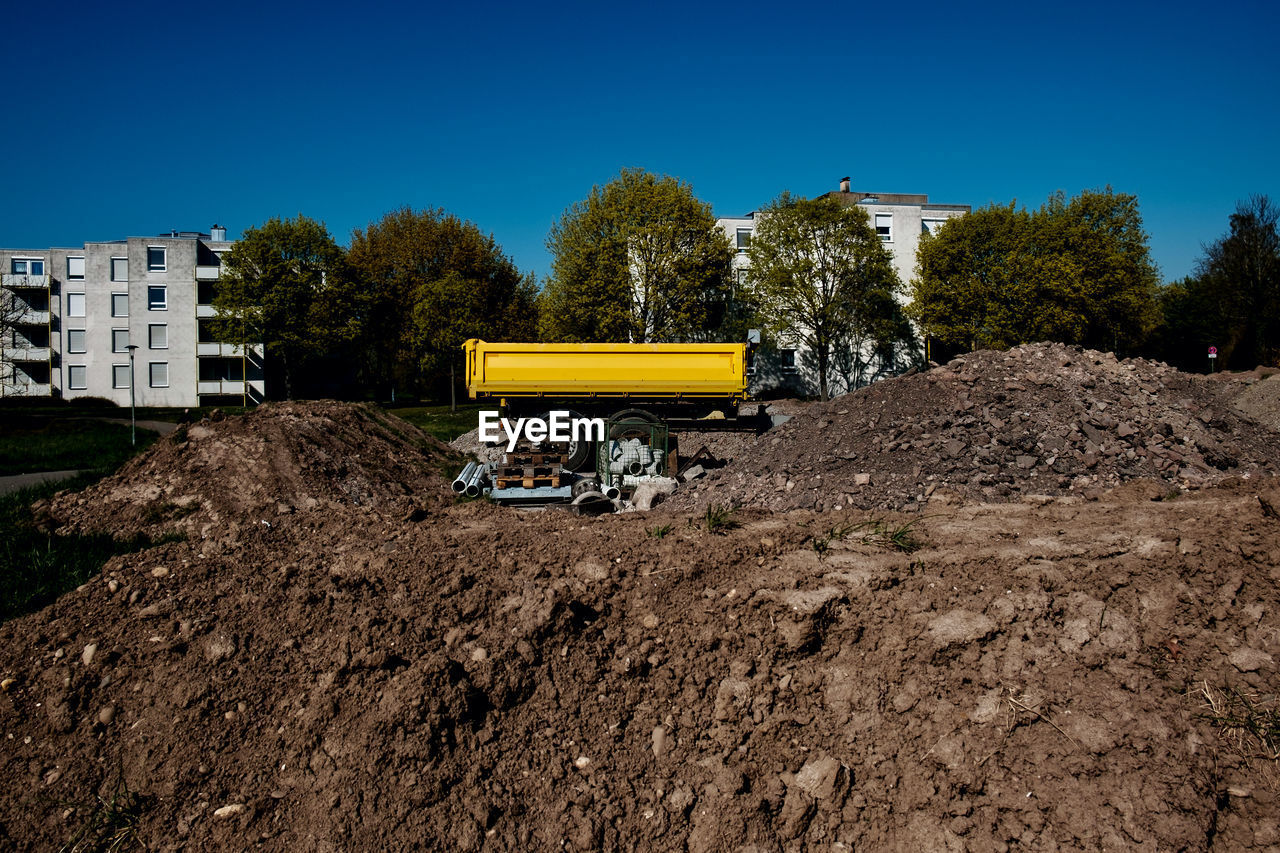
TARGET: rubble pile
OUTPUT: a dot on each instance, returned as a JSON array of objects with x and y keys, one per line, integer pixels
[
  {"x": 1037, "y": 419},
  {"x": 277, "y": 459},
  {"x": 346, "y": 671}
]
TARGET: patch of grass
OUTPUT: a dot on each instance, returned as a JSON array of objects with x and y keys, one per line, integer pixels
[
  {"x": 1251, "y": 724},
  {"x": 31, "y": 443},
  {"x": 660, "y": 531},
  {"x": 900, "y": 537},
  {"x": 36, "y": 566},
  {"x": 112, "y": 823},
  {"x": 877, "y": 531},
  {"x": 439, "y": 421},
  {"x": 821, "y": 544},
  {"x": 719, "y": 519}
]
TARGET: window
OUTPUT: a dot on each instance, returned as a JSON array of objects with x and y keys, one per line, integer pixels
[
  {"x": 119, "y": 376},
  {"x": 75, "y": 269},
  {"x": 744, "y": 239},
  {"x": 156, "y": 259},
  {"x": 119, "y": 269},
  {"x": 75, "y": 304},
  {"x": 26, "y": 266},
  {"x": 787, "y": 360},
  {"x": 75, "y": 340},
  {"x": 119, "y": 340},
  {"x": 159, "y": 374},
  {"x": 157, "y": 298},
  {"x": 119, "y": 305},
  {"x": 77, "y": 377},
  {"x": 931, "y": 226},
  {"x": 158, "y": 336},
  {"x": 884, "y": 226}
]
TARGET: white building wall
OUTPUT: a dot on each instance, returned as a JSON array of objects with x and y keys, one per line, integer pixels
[
  {"x": 908, "y": 220},
  {"x": 188, "y": 258}
]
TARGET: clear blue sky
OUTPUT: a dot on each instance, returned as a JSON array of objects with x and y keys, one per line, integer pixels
[{"x": 133, "y": 119}]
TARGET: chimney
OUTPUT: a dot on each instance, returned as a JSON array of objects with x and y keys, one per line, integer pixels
[
  {"x": 217, "y": 233},
  {"x": 844, "y": 185}
]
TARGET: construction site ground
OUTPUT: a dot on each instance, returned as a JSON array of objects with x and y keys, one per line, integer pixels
[{"x": 884, "y": 645}]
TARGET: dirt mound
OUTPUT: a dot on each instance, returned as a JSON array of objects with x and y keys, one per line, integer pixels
[
  {"x": 1033, "y": 676},
  {"x": 1037, "y": 419},
  {"x": 1260, "y": 400},
  {"x": 277, "y": 459}
]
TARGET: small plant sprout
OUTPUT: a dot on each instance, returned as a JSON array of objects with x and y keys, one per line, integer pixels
[{"x": 719, "y": 519}]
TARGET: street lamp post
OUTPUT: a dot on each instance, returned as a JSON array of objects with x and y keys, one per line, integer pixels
[{"x": 133, "y": 400}]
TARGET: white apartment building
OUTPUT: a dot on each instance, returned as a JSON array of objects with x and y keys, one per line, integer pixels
[
  {"x": 121, "y": 318},
  {"x": 899, "y": 219}
]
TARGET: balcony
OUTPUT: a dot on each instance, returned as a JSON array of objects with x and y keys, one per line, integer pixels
[
  {"x": 220, "y": 386},
  {"x": 25, "y": 389},
  {"x": 207, "y": 273},
  {"x": 206, "y": 312},
  {"x": 27, "y": 353},
  {"x": 218, "y": 349},
  {"x": 32, "y": 282},
  {"x": 31, "y": 317},
  {"x": 210, "y": 348}
]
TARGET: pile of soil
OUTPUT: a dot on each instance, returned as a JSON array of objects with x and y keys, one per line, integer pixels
[
  {"x": 1033, "y": 676},
  {"x": 1037, "y": 419},
  {"x": 1051, "y": 672},
  {"x": 276, "y": 459},
  {"x": 1260, "y": 400}
]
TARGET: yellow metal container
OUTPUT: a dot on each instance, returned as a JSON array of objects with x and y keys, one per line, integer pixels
[{"x": 634, "y": 372}]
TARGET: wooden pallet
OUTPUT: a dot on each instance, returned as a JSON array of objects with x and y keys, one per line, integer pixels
[
  {"x": 523, "y": 459},
  {"x": 545, "y": 481},
  {"x": 527, "y": 470}
]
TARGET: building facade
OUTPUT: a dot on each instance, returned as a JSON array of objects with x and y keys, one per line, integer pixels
[
  {"x": 120, "y": 320},
  {"x": 899, "y": 219}
]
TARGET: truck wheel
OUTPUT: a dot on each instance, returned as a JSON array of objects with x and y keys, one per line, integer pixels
[
  {"x": 632, "y": 423},
  {"x": 581, "y": 454}
]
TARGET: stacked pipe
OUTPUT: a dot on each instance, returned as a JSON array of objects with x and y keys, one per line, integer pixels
[
  {"x": 633, "y": 457},
  {"x": 471, "y": 481}
]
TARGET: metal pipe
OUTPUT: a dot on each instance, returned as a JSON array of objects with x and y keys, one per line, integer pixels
[
  {"x": 476, "y": 482},
  {"x": 612, "y": 492},
  {"x": 460, "y": 482}
]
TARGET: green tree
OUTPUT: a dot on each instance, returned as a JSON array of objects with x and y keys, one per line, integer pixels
[
  {"x": 1076, "y": 271},
  {"x": 1190, "y": 324},
  {"x": 1238, "y": 279},
  {"x": 963, "y": 272},
  {"x": 822, "y": 276},
  {"x": 640, "y": 259},
  {"x": 284, "y": 285},
  {"x": 433, "y": 280}
]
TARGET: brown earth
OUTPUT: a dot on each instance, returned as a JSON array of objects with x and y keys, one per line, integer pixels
[
  {"x": 1260, "y": 400},
  {"x": 221, "y": 473},
  {"x": 1037, "y": 419},
  {"x": 382, "y": 669}
]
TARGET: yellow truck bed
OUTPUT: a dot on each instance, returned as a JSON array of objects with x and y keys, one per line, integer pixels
[{"x": 634, "y": 372}]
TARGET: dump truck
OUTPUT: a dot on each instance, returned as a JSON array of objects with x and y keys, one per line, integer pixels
[
  {"x": 640, "y": 383},
  {"x": 685, "y": 381}
]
